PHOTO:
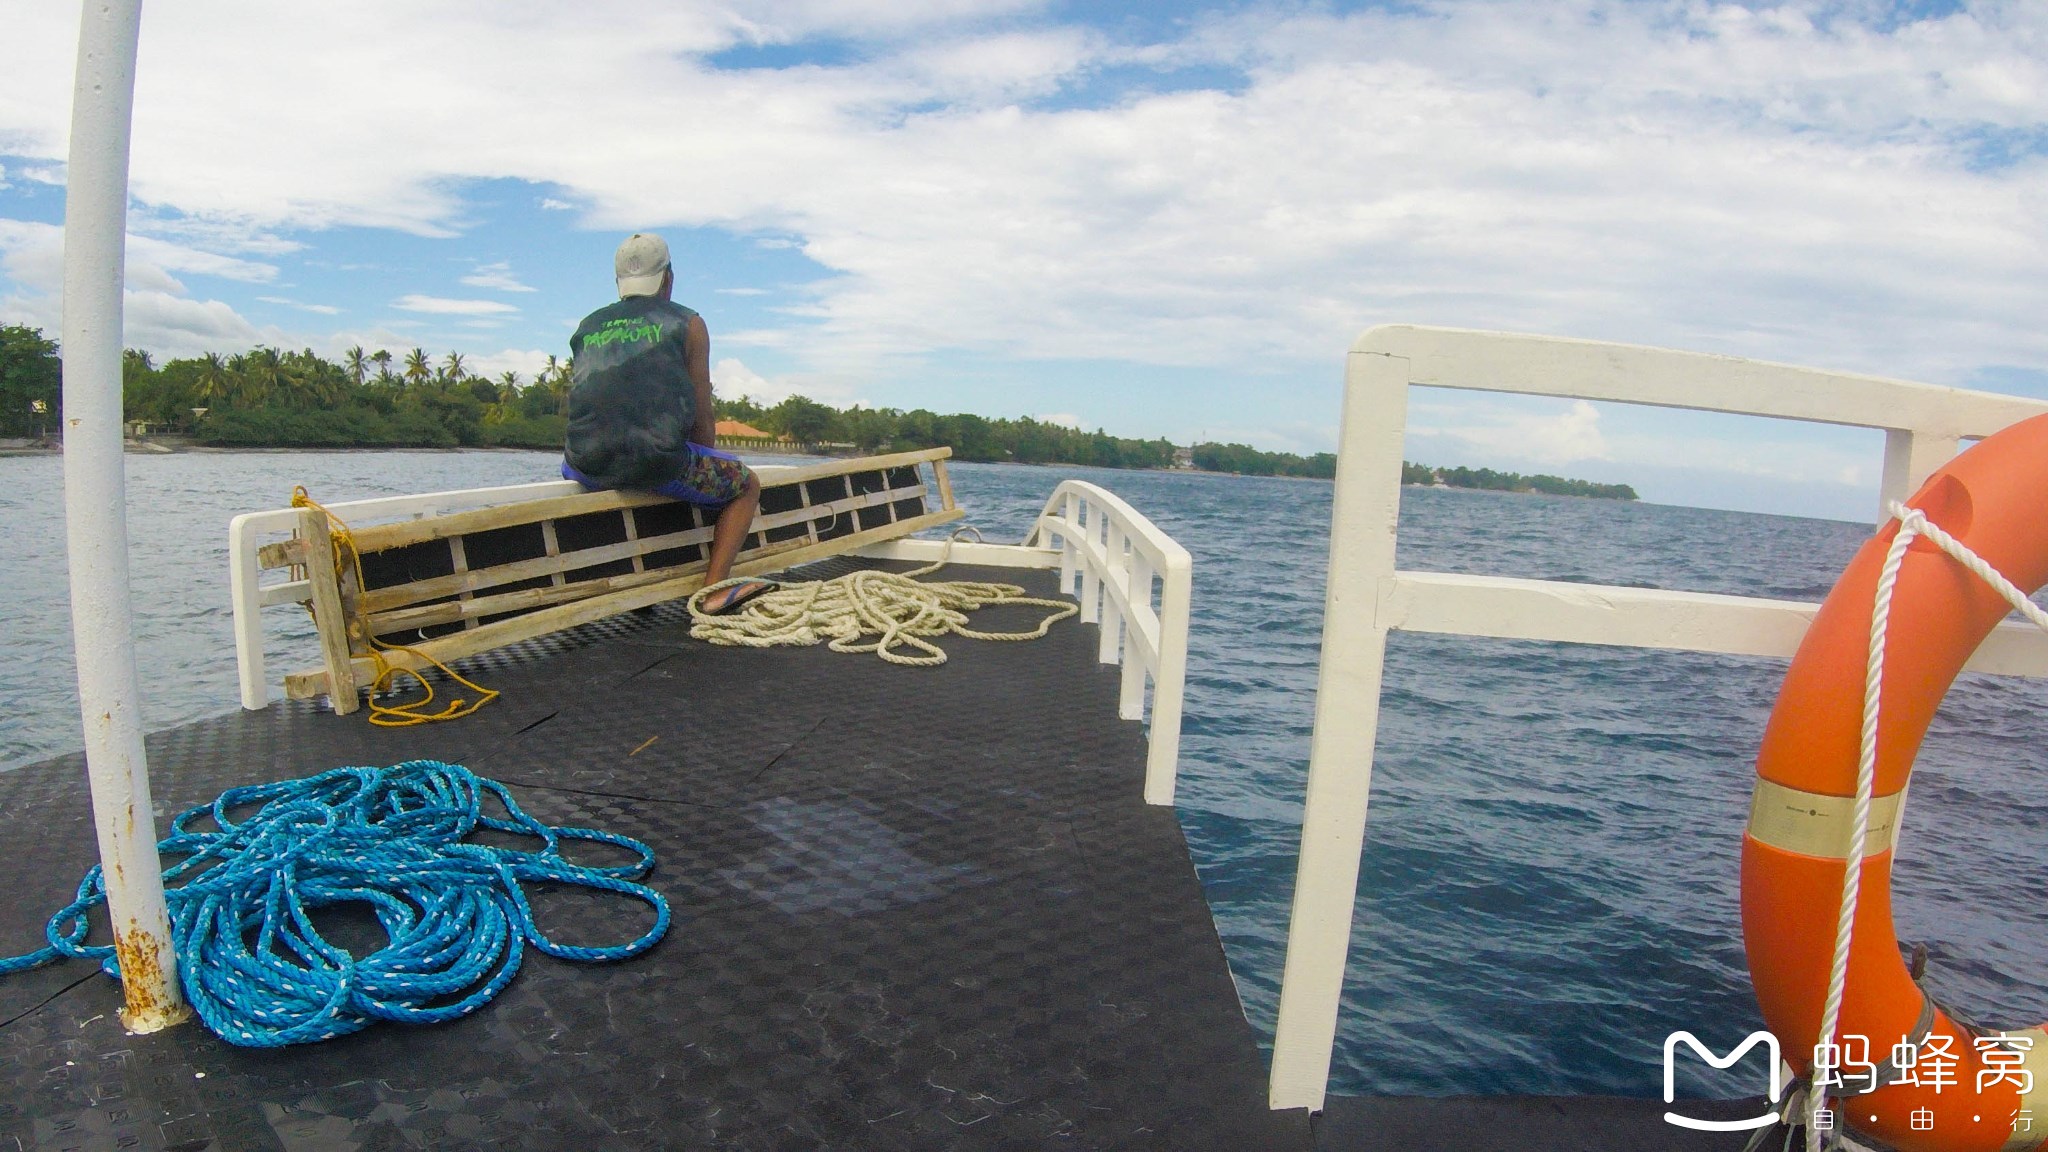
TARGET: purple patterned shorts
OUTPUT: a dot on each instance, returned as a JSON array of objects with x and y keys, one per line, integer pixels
[{"x": 709, "y": 477}]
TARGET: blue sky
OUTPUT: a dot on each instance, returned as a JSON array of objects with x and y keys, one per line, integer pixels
[{"x": 1161, "y": 219}]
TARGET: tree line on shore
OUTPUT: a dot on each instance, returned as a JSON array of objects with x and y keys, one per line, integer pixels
[
  {"x": 1489, "y": 480},
  {"x": 268, "y": 397},
  {"x": 1249, "y": 461}
]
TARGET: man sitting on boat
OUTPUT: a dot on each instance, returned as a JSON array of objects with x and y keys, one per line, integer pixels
[{"x": 641, "y": 415}]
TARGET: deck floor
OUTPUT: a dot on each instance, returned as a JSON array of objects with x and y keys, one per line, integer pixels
[{"x": 915, "y": 909}]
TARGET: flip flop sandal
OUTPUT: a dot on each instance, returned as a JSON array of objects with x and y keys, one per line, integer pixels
[{"x": 735, "y": 600}]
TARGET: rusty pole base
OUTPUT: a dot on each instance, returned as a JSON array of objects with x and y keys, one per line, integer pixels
[
  {"x": 154, "y": 1019},
  {"x": 151, "y": 998}
]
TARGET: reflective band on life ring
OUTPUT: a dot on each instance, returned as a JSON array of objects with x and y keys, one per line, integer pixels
[
  {"x": 1817, "y": 824},
  {"x": 1993, "y": 499}
]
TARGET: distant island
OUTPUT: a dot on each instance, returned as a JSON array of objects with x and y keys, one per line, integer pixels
[
  {"x": 270, "y": 398},
  {"x": 1489, "y": 480},
  {"x": 1249, "y": 461}
]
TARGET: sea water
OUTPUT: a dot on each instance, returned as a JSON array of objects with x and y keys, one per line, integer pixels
[{"x": 1549, "y": 886}]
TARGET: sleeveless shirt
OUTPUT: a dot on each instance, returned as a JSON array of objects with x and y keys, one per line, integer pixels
[{"x": 632, "y": 406}]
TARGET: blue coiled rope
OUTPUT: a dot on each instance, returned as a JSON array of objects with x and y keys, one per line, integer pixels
[{"x": 258, "y": 972}]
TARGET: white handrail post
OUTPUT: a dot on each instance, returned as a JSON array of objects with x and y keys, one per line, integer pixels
[
  {"x": 1909, "y": 459},
  {"x": 243, "y": 589},
  {"x": 1162, "y": 757},
  {"x": 95, "y": 514},
  {"x": 1366, "y": 510},
  {"x": 1130, "y": 703},
  {"x": 1091, "y": 591},
  {"x": 1110, "y": 642},
  {"x": 1070, "y": 521}
]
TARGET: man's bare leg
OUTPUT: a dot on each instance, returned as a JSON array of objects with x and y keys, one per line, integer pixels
[{"x": 733, "y": 521}]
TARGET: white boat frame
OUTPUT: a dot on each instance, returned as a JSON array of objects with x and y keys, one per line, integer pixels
[{"x": 1368, "y": 597}]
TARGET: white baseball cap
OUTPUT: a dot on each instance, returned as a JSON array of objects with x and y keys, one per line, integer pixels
[{"x": 639, "y": 263}]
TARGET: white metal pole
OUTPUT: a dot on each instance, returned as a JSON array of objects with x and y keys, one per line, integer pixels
[{"x": 95, "y": 507}]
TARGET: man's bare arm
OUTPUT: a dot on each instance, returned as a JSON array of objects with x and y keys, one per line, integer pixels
[{"x": 699, "y": 340}]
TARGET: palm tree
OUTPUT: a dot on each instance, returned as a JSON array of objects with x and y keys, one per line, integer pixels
[
  {"x": 214, "y": 381},
  {"x": 313, "y": 378},
  {"x": 417, "y": 368},
  {"x": 454, "y": 366},
  {"x": 263, "y": 373},
  {"x": 503, "y": 404},
  {"x": 356, "y": 364},
  {"x": 556, "y": 377}
]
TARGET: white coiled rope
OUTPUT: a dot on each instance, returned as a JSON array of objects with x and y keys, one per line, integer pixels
[
  {"x": 1912, "y": 524},
  {"x": 896, "y": 608}
]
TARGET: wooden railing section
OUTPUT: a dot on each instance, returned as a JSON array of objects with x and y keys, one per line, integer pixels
[{"x": 463, "y": 583}]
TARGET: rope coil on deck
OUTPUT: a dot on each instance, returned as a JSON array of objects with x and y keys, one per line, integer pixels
[
  {"x": 896, "y": 608},
  {"x": 456, "y": 915}
]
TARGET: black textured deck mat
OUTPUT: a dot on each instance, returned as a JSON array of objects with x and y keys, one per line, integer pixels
[
  {"x": 915, "y": 908},
  {"x": 1524, "y": 1123}
]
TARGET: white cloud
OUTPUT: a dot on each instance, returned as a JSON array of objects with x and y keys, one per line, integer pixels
[
  {"x": 1004, "y": 66},
  {"x": 731, "y": 379},
  {"x": 741, "y": 291},
  {"x": 1300, "y": 438},
  {"x": 1558, "y": 438},
  {"x": 554, "y": 205},
  {"x": 527, "y": 362},
  {"x": 174, "y": 257},
  {"x": 786, "y": 21},
  {"x": 320, "y": 309},
  {"x": 157, "y": 313},
  {"x": 1798, "y": 182},
  {"x": 216, "y": 237},
  {"x": 1660, "y": 451},
  {"x": 443, "y": 306},
  {"x": 1776, "y": 458},
  {"x": 761, "y": 338},
  {"x": 179, "y": 326},
  {"x": 32, "y": 256},
  {"x": 1066, "y": 419},
  {"x": 498, "y": 276}
]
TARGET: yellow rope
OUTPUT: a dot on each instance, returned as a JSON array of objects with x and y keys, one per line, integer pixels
[
  {"x": 896, "y": 608},
  {"x": 405, "y": 715}
]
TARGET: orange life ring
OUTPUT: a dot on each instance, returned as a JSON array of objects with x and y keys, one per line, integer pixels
[{"x": 1994, "y": 499}]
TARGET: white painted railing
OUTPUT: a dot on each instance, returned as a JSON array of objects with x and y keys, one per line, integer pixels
[
  {"x": 1119, "y": 557},
  {"x": 251, "y": 530},
  {"x": 1368, "y": 597}
]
